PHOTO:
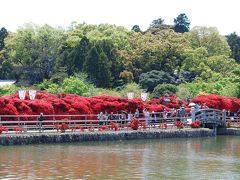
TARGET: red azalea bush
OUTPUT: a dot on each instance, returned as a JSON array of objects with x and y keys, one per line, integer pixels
[
  {"x": 219, "y": 102},
  {"x": 195, "y": 124},
  {"x": 172, "y": 102},
  {"x": 63, "y": 103},
  {"x": 3, "y": 128},
  {"x": 114, "y": 126},
  {"x": 157, "y": 107},
  {"x": 135, "y": 124},
  {"x": 179, "y": 124}
]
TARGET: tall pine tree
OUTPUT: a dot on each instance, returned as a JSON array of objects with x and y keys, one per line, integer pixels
[
  {"x": 3, "y": 35},
  {"x": 80, "y": 54},
  {"x": 104, "y": 71},
  {"x": 181, "y": 23},
  {"x": 91, "y": 64}
]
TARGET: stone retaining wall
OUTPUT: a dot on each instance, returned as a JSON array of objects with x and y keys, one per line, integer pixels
[
  {"x": 229, "y": 131},
  {"x": 46, "y": 138}
]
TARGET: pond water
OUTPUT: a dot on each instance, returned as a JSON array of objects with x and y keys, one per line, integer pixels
[{"x": 197, "y": 158}]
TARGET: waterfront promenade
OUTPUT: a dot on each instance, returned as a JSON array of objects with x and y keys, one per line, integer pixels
[{"x": 81, "y": 128}]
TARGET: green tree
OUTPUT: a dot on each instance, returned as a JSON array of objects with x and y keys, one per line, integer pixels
[
  {"x": 151, "y": 79},
  {"x": 184, "y": 93},
  {"x": 181, "y": 23},
  {"x": 103, "y": 69},
  {"x": 221, "y": 64},
  {"x": 157, "y": 26},
  {"x": 59, "y": 75},
  {"x": 163, "y": 89},
  {"x": 74, "y": 85},
  {"x": 136, "y": 28},
  {"x": 91, "y": 64},
  {"x": 3, "y": 35},
  {"x": 192, "y": 59},
  {"x": 80, "y": 54},
  {"x": 157, "y": 23},
  {"x": 210, "y": 39},
  {"x": 234, "y": 42},
  {"x": 222, "y": 86},
  {"x": 162, "y": 51},
  {"x": 33, "y": 51},
  {"x": 8, "y": 89}
]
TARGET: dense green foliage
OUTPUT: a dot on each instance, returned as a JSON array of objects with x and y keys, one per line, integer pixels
[
  {"x": 181, "y": 23},
  {"x": 3, "y": 35},
  {"x": 234, "y": 43},
  {"x": 76, "y": 84},
  {"x": 151, "y": 79},
  {"x": 164, "y": 90},
  {"x": 197, "y": 60},
  {"x": 9, "y": 89}
]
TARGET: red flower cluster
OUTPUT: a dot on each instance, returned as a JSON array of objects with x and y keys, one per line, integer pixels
[
  {"x": 66, "y": 104},
  {"x": 135, "y": 124},
  {"x": 114, "y": 126},
  {"x": 179, "y": 124},
  {"x": 63, "y": 103},
  {"x": 3, "y": 128},
  {"x": 162, "y": 103},
  {"x": 195, "y": 124},
  {"x": 219, "y": 102}
]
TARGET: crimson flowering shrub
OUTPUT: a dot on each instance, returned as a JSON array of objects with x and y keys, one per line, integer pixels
[
  {"x": 158, "y": 105},
  {"x": 7, "y": 108},
  {"x": 114, "y": 126},
  {"x": 3, "y": 128},
  {"x": 172, "y": 102},
  {"x": 179, "y": 124},
  {"x": 219, "y": 102},
  {"x": 195, "y": 124},
  {"x": 63, "y": 104},
  {"x": 135, "y": 124}
]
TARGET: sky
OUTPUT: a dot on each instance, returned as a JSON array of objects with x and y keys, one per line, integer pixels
[{"x": 223, "y": 14}]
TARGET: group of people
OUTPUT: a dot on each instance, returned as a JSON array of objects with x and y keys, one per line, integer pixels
[
  {"x": 122, "y": 117},
  {"x": 150, "y": 117}
]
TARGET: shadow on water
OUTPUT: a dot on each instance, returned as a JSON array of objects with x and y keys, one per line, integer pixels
[{"x": 216, "y": 158}]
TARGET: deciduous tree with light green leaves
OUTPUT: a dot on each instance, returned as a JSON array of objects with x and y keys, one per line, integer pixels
[
  {"x": 74, "y": 85},
  {"x": 33, "y": 51}
]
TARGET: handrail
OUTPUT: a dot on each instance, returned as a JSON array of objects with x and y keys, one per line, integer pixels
[{"x": 206, "y": 115}]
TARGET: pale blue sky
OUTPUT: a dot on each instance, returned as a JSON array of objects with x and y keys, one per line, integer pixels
[{"x": 223, "y": 14}]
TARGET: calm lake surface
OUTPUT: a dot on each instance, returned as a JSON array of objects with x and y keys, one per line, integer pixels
[{"x": 198, "y": 158}]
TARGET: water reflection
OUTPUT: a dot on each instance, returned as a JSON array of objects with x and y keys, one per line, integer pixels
[{"x": 153, "y": 159}]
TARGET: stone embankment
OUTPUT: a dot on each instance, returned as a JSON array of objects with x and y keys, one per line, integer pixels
[
  {"x": 229, "y": 131},
  {"x": 68, "y": 137}
]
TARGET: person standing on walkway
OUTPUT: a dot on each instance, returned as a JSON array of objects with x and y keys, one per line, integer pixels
[
  {"x": 147, "y": 116},
  {"x": 40, "y": 122},
  {"x": 111, "y": 117},
  {"x": 136, "y": 114},
  {"x": 182, "y": 113},
  {"x": 100, "y": 117},
  {"x": 154, "y": 118}
]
